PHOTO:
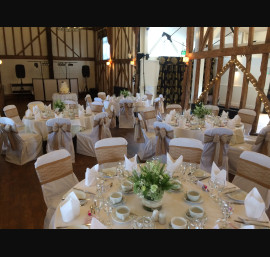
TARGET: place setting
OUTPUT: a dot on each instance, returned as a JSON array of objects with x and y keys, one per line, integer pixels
[{"x": 193, "y": 197}]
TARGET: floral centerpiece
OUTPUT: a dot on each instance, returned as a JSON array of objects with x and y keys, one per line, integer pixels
[
  {"x": 151, "y": 183},
  {"x": 125, "y": 93},
  {"x": 59, "y": 105},
  {"x": 200, "y": 111}
]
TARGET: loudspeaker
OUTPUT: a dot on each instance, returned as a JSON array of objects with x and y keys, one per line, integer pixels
[
  {"x": 20, "y": 71},
  {"x": 85, "y": 71}
]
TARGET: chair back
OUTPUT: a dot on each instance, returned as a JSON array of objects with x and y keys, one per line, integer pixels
[
  {"x": 176, "y": 107},
  {"x": 216, "y": 144},
  {"x": 101, "y": 127},
  {"x": 149, "y": 117},
  {"x": 111, "y": 150},
  {"x": 71, "y": 104},
  {"x": 126, "y": 116},
  {"x": 102, "y": 95},
  {"x": 262, "y": 143},
  {"x": 11, "y": 112},
  {"x": 213, "y": 108},
  {"x": 96, "y": 107},
  {"x": 40, "y": 105},
  {"x": 247, "y": 117},
  {"x": 88, "y": 99},
  {"x": 159, "y": 104},
  {"x": 254, "y": 167},
  {"x": 191, "y": 149}
]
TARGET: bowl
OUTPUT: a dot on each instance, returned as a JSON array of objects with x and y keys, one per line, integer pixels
[
  {"x": 126, "y": 186},
  {"x": 196, "y": 211},
  {"x": 116, "y": 197},
  {"x": 122, "y": 212},
  {"x": 178, "y": 223},
  {"x": 193, "y": 195}
]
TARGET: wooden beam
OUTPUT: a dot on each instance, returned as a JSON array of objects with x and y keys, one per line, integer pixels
[
  {"x": 240, "y": 50},
  {"x": 261, "y": 83},
  {"x": 39, "y": 40},
  {"x": 4, "y": 38},
  {"x": 244, "y": 91},
  {"x": 219, "y": 67},
  {"x": 31, "y": 39},
  {"x": 13, "y": 38},
  {"x": 22, "y": 40},
  {"x": 50, "y": 54},
  {"x": 205, "y": 39}
]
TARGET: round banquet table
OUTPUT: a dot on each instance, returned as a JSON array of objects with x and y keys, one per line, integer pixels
[
  {"x": 63, "y": 97},
  {"x": 39, "y": 126},
  {"x": 174, "y": 204},
  {"x": 187, "y": 132}
]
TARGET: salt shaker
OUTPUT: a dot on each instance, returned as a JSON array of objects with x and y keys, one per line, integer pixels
[
  {"x": 155, "y": 215},
  {"x": 162, "y": 218}
]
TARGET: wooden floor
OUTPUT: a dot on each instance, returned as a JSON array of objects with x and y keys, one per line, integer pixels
[{"x": 21, "y": 200}]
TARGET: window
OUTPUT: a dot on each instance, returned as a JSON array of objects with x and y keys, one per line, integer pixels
[{"x": 106, "y": 49}]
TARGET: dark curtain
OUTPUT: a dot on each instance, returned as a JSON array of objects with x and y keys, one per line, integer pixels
[{"x": 171, "y": 74}]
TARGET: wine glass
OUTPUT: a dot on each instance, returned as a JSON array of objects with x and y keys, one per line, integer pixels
[
  {"x": 227, "y": 211},
  {"x": 211, "y": 187},
  {"x": 219, "y": 184},
  {"x": 98, "y": 204},
  {"x": 108, "y": 209}
]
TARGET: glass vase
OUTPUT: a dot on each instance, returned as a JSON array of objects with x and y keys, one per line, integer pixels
[{"x": 151, "y": 205}]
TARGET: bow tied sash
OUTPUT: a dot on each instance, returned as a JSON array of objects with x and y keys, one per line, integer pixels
[
  {"x": 138, "y": 135},
  {"x": 8, "y": 134},
  {"x": 162, "y": 134},
  {"x": 60, "y": 134},
  {"x": 264, "y": 140},
  {"x": 126, "y": 108},
  {"x": 219, "y": 141},
  {"x": 103, "y": 127},
  {"x": 159, "y": 105}
]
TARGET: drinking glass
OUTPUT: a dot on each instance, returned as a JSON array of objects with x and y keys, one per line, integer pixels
[
  {"x": 212, "y": 189},
  {"x": 108, "y": 209},
  {"x": 227, "y": 211},
  {"x": 98, "y": 204},
  {"x": 219, "y": 184}
]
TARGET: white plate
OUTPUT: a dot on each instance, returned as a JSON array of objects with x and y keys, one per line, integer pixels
[
  {"x": 109, "y": 172},
  {"x": 198, "y": 173},
  {"x": 188, "y": 216},
  {"x": 116, "y": 219},
  {"x": 77, "y": 227},
  {"x": 238, "y": 196},
  {"x": 177, "y": 189},
  {"x": 200, "y": 200}
]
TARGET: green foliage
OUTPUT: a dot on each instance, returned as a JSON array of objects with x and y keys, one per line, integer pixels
[
  {"x": 152, "y": 181},
  {"x": 200, "y": 111},
  {"x": 59, "y": 104},
  {"x": 125, "y": 93}
]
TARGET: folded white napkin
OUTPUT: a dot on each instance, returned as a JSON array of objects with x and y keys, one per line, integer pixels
[
  {"x": 247, "y": 227},
  {"x": 47, "y": 107},
  {"x": 88, "y": 110},
  {"x": 108, "y": 97},
  {"x": 187, "y": 113},
  {"x": 28, "y": 113},
  {"x": 231, "y": 124},
  {"x": 80, "y": 107},
  {"x": 131, "y": 164},
  {"x": 208, "y": 125},
  {"x": 91, "y": 175},
  {"x": 36, "y": 109},
  {"x": 182, "y": 122},
  {"x": 81, "y": 113},
  {"x": 237, "y": 119},
  {"x": 96, "y": 224},
  {"x": 70, "y": 207},
  {"x": 38, "y": 116},
  {"x": 254, "y": 204},
  {"x": 173, "y": 165},
  {"x": 216, "y": 173},
  {"x": 168, "y": 118},
  {"x": 224, "y": 115}
]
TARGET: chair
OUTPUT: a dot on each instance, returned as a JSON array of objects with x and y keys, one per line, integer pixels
[
  {"x": 109, "y": 108},
  {"x": 149, "y": 117},
  {"x": 71, "y": 104},
  {"x": 88, "y": 100},
  {"x": 146, "y": 140},
  {"x": 56, "y": 177},
  {"x": 96, "y": 107},
  {"x": 102, "y": 95},
  {"x": 126, "y": 116},
  {"x": 98, "y": 99},
  {"x": 191, "y": 149},
  {"x": 40, "y": 105},
  {"x": 86, "y": 139},
  {"x": 260, "y": 146},
  {"x": 213, "y": 108},
  {"x": 20, "y": 148},
  {"x": 247, "y": 118},
  {"x": 176, "y": 107},
  {"x": 60, "y": 136},
  {"x": 149, "y": 98},
  {"x": 11, "y": 112},
  {"x": 253, "y": 170},
  {"x": 216, "y": 144},
  {"x": 159, "y": 104},
  {"x": 110, "y": 151},
  {"x": 164, "y": 133}
]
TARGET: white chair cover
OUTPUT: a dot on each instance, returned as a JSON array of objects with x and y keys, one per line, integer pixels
[
  {"x": 109, "y": 108},
  {"x": 216, "y": 144},
  {"x": 71, "y": 104},
  {"x": 86, "y": 139},
  {"x": 20, "y": 148},
  {"x": 254, "y": 169},
  {"x": 11, "y": 112},
  {"x": 126, "y": 116},
  {"x": 56, "y": 176},
  {"x": 247, "y": 118},
  {"x": 262, "y": 143},
  {"x": 147, "y": 148},
  {"x": 176, "y": 107},
  {"x": 213, "y": 108},
  {"x": 60, "y": 136},
  {"x": 102, "y": 95},
  {"x": 191, "y": 149},
  {"x": 88, "y": 100},
  {"x": 149, "y": 117},
  {"x": 159, "y": 104},
  {"x": 110, "y": 151},
  {"x": 97, "y": 99},
  {"x": 40, "y": 105},
  {"x": 96, "y": 107}
]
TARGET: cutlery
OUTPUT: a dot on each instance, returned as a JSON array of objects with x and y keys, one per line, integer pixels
[
  {"x": 248, "y": 220},
  {"x": 203, "y": 178},
  {"x": 252, "y": 223},
  {"x": 83, "y": 191}
]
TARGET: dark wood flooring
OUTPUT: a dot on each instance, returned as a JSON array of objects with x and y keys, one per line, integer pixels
[{"x": 21, "y": 200}]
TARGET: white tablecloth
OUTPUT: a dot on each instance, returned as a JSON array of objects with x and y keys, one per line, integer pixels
[
  {"x": 39, "y": 126},
  {"x": 62, "y": 97},
  {"x": 173, "y": 205}
]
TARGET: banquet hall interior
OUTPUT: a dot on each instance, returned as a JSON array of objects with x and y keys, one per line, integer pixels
[{"x": 196, "y": 99}]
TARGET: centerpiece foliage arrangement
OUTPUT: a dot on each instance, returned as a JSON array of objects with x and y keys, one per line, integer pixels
[
  {"x": 58, "y": 104},
  {"x": 200, "y": 111},
  {"x": 124, "y": 93},
  {"x": 152, "y": 181}
]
